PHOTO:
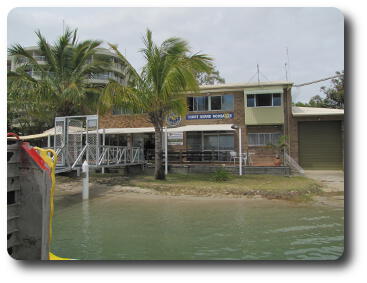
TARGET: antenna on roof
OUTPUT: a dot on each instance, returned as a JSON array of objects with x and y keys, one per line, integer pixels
[
  {"x": 287, "y": 69},
  {"x": 258, "y": 74}
]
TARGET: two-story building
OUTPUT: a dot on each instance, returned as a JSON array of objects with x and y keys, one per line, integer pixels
[
  {"x": 205, "y": 133},
  {"x": 263, "y": 111}
]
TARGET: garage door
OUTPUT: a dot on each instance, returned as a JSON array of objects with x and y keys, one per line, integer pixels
[{"x": 320, "y": 145}]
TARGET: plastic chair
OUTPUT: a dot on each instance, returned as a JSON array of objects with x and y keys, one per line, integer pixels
[
  {"x": 244, "y": 158},
  {"x": 249, "y": 158},
  {"x": 234, "y": 156}
]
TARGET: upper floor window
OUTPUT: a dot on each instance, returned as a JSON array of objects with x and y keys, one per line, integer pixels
[
  {"x": 263, "y": 139},
  {"x": 264, "y": 100},
  {"x": 210, "y": 103}
]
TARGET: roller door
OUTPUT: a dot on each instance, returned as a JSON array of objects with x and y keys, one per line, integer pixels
[{"x": 320, "y": 145}]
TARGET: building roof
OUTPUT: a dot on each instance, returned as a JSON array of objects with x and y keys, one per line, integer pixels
[
  {"x": 188, "y": 128},
  {"x": 126, "y": 130},
  {"x": 242, "y": 86},
  {"x": 49, "y": 132},
  {"x": 315, "y": 111},
  {"x": 197, "y": 128},
  {"x": 110, "y": 131}
]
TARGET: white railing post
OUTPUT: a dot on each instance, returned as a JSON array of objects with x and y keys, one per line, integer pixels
[
  {"x": 240, "y": 149},
  {"x": 104, "y": 143},
  {"x": 108, "y": 156},
  {"x": 85, "y": 174},
  {"x": 165, "y": 152}
]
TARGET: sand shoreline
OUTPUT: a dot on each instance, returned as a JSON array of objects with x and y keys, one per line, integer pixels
[{"x": 70, "y": 192}]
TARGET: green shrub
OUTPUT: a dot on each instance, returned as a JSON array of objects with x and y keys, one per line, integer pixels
[{"x": 221, "y": 175}]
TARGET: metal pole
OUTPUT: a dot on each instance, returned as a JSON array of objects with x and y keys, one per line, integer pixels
[
  {"x": 49, "y": 141},
  {"x": 85, "y": 174},
  {"x": 86, "y": 138},
  {"x": 166, "y": 152},
  {"x": 240, "y": 149},
  {"x": 97, "y": 141},
  {"x": 104, "y": 143}
]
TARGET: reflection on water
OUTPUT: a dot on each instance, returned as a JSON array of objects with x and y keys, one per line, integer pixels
[{"x": 128, "y": 228}]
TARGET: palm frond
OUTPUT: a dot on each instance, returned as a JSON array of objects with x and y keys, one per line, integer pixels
[
  {"x": 46, "y": 51},
  {"x": 131, "y": 69}
]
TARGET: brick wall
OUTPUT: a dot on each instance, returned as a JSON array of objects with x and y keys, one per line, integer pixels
[
  {"x": 239, "y": 114},
  {"x": 139, "y": 120},
  {"x": 124, "y": 121}
]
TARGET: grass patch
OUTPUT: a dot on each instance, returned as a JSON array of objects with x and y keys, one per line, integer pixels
[
  {"x": 268, "y": 186},
  {"x": 296, "y": 188},
  {"x": 221, "y": 175}
]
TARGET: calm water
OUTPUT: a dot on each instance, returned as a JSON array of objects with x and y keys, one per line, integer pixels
[{"x": 197, "y": 229}]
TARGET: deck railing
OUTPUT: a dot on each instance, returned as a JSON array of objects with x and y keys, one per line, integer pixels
[
  {"x": 293, "y": 164},
  {"x": 250, "y": 158},
  {"x": 183, "y": 156},
  {"x": 100, "y": 156}
]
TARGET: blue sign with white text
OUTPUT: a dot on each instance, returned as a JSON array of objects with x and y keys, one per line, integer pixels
[{"x": 209, "y": 116}]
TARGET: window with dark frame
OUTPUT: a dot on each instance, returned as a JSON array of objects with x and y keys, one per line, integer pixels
[
  {"x": 211, "y": 103},
  {"x": 250, "y": 100},
  {"x": 193, "y": 140},
  {"x": 210, "y": 141},
  {"x": 227, "y": 102},
  {"x": 276, "y": 99},
  {"x": 201, "y": 103},
  {"x": 190, "y": 103},
  {"x": 216, "y": 102},
  {"x": 264, "y": 100},
  {"x": 263, "y": 139}
]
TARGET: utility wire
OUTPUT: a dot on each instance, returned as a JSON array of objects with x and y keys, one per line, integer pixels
[
  {"x": 264, "y": 76},
  {"x": 252, "y": 77},
  {"x": 321, "y": 80}
]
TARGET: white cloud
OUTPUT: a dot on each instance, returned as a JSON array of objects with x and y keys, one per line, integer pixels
[{"x": 238, "y": 38}]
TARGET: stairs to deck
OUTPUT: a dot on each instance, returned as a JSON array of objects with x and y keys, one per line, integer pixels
[{"x": 262, "y": 156}]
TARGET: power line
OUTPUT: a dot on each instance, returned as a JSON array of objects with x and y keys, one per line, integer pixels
[
  {"x": 265, "y": 77},
  {"x": 321, "y": 80},
  {"x": 253, "y": 76}
]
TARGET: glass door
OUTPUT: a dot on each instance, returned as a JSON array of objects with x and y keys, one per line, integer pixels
[{"x": 211, "y": 146}]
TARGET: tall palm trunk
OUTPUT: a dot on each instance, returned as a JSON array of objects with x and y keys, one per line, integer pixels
[{"x": 158, "y": 154}]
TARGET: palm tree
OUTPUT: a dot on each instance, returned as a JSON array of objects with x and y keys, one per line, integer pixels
[
  {"x": 60, "y": 84},
  {"x": 170, "y": 71}
]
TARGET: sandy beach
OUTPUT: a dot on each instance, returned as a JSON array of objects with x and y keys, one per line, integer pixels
[{"x": 69, "y": 191}]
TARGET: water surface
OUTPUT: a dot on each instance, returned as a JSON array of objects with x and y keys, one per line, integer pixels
[{"x": 128, "y": 228}]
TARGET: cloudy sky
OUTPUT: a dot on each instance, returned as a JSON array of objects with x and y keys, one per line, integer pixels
[{"x": 237, "y": 38}]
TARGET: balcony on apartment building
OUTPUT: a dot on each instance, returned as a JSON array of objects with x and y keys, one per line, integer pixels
[
  {"x": 40, "y": 60},
  {"x": 38, "y": 75},
  {"x": 105, "y": 77}
]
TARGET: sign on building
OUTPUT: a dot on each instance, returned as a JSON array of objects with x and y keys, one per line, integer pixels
[
  {"x": 173, "y": 120},
  {"x": 175, "y": 138},
  {"x": 209, "y": 116}
]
